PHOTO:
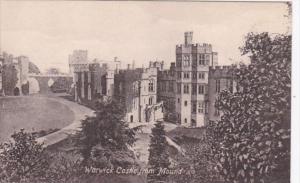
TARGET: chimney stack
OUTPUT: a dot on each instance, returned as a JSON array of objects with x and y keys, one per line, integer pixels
[{"x": 188, "y": 38}]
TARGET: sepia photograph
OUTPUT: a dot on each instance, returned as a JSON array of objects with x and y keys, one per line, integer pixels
[{"x": 145, "y": 91}]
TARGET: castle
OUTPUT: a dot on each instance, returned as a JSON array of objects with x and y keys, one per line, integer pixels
[{"x": 185, "y": 93}]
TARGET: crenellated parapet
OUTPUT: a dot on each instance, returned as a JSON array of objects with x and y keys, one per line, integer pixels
[{"x": 222, "y": 71}]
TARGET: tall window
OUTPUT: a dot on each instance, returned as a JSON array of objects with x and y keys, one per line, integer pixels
[
  {"x": 201, "y": 89},
  {"x": 201, "y": 75},
  {"x": 179, "y": 75},
  {"x": 201, "y": 59},
  {"x": 186, "y": 60},
  {"x": 178, "y": 88},
  {"x": 150, "y": 100},
  {"x": 207, "y": 59},
  {"x": 186, "y": 89},
  {"x": 218, "y": 85},
  {"x": 186, "y": 75},
  {"x": 200, "y": 107},
  {"x": 151, "y": 85},
  {"x": 178, "y": 60}
]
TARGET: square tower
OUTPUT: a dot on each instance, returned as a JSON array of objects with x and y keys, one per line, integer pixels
[{"x": 192, "y": 69}]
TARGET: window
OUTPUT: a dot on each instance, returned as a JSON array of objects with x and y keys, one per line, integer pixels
[
  {"x": 217, "y": 85},
  {"x": 186, "y": 89},
  {"x": 201, "y": 89},
  {"x": 178, "y": 75},
  {"x": 178, "y": 88},
  {"x": 178, "y": 60},
  {"x": 151, "y": 85},
  {"x": 194, "y": 60},
  {"x": 207, "y": 59},
  {"x": 206, "y": 107},
  {"x": 186, "y": 75},
  {"x": 186, "y": 60},
  {"x": 200, "y": 107},
  {"x": 178, "y": 100},
  {"x": 185, "y": 120},
  {"x": 201, "y": 75},
  {"x": 185, "y": 103},
  {"x": 194, "y": 107},
  {"x": 201, "y": 59},
  {"x": 150, "y": 100}
]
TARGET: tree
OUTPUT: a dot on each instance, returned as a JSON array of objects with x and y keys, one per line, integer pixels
[
  {"x": 105, "y": 134},
  {"x": 22, "y": 160},
  {"x": 53, "y": 71},
  {"x": 252, "y": 138},
  {"x": 9, "y": 78},
  {"x": 32, "y": 68},
  {"x": 158, "y": 153},
  {"x": 196, "y": 162},
  {"x": 170, "y": 110}
]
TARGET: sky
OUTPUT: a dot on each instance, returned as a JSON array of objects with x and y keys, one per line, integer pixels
[{"x": 47, "y": 32}]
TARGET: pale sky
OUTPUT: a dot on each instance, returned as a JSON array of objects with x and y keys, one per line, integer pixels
[{"x": 47, "y": 32}]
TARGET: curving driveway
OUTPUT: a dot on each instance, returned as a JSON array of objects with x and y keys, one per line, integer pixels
[{"x": 80, "y": 112}]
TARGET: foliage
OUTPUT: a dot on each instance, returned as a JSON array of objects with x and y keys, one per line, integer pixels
[
  {"x": 170, "y": 113},
  {"x": 61, "y": 85},
  {"x": 196, "y": 162},
  {"x": 252, "y": 138},
  {"x": 106, "y": 132},
  {"x": 22, "y": 160},
  {"x": 64, "y": 167},
  {"x": 32, "y": 68},
  {"x": 158, "y": 153},
  {"x": 53, "y": 71},
  {"x": 9, "y": 78}
]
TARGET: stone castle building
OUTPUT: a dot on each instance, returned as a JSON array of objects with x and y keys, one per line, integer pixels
[
  {"x": 185, "y": 93},
  {"x": 137, "y": 88},
  {"x": 191, "y": 84},
  {"x": 19, "y": 63}
]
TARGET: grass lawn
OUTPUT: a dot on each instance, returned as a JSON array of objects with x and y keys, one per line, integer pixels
[{"x": 32, "y": 113}]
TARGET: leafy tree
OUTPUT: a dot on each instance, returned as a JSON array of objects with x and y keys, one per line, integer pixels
[
  {"x": 22, "y": 160},
  {"x": 252, "y": 138},
  {"x": 105, "y": 133},
  {"x": 61, "y": 85},
  {"x": 196, "y": 162},
  {"x": 170, "y": 113},
  {"x": 32, "y": 68},
  {"x": 53, "y": 71},
  {"x": 158, "y": 153},
  {"x": 9, "y": 78}
]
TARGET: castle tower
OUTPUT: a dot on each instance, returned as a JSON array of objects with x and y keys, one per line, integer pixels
[{"x": 192, "y": 68}]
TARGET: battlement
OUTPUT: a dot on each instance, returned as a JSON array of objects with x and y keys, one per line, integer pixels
[
  {"x": 224, "y": 71},
  {"x": 204, "y": 45}
]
